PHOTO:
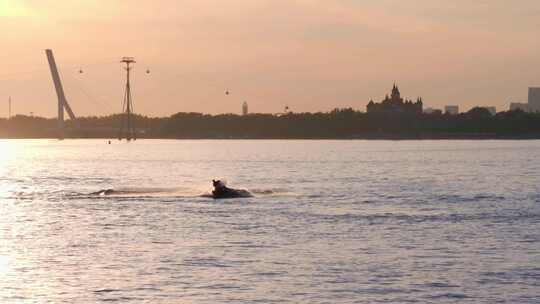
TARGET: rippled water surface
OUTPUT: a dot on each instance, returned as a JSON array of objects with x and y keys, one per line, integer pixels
[{"x": 330, "y": 222}]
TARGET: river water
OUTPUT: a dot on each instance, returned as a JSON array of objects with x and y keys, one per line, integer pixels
[{"x": 330, "y": 222}]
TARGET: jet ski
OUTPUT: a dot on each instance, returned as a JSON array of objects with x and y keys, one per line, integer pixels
[{"x": 222, "y": 192}]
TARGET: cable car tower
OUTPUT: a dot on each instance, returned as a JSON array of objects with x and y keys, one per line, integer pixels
[{"x": 127, "y": 129}]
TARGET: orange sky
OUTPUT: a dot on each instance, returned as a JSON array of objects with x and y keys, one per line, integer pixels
[{"x": 313, "y": 55}]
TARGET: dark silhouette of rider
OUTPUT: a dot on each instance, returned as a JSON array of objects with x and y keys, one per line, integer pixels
[{"x": 220, "y": 189}]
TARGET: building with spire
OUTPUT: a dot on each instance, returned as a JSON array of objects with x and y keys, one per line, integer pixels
[{"x": 395, "y": 104}]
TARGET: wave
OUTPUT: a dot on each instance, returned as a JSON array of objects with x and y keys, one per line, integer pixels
[
  {"x": 272, "y": 192},
  {"x": 134, "y": 191},
  {"x": 456, "y": 198}
]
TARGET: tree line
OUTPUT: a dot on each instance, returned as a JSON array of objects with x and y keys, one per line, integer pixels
[{"x": 344, "y": 123}]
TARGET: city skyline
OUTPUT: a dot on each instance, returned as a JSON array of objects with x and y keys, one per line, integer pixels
[{"x": 309, "y": 55}]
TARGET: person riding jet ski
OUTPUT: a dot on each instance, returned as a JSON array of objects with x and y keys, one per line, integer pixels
[{"x": 222, "y": 191}]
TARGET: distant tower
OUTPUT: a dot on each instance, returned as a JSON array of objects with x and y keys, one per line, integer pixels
[
  {"x": 9, "y": 111},
  {"x": 245, "y": 108},
  {"x": 127, "y": 129}
]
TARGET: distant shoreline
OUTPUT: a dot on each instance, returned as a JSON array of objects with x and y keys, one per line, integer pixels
[
  {"x": 339, "y": 124},
  {"x": 479, "y": 137}
]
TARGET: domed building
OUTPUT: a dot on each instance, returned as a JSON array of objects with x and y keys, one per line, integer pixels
[{"x": 395, "y": 104}]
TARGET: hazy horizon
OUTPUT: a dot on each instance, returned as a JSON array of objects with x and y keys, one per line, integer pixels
[{"x": 310, "y": 55}]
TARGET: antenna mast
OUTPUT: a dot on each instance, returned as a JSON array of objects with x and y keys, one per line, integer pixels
[
  {"x": 127, "y": 129},
  {"x": 9, "y": 113}
]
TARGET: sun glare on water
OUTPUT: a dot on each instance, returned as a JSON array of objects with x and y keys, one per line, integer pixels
[
  {"x": 7, "y": 155},
  {"x": 5, "y": 264},
  {"x": 8, "y": 152}
]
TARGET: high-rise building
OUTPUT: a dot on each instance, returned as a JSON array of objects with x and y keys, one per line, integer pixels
[
  {"x": 533, "y": 104},
  {"x": 452, "y": 110},
  {"x": 534, "y": 99},
  {"x": 245, "y": 108}
]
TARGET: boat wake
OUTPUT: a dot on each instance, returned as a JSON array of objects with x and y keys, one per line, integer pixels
[
  {"x": 172, "y": 193},
  {"x": 140, "y": 193},
  {"x": 132, "y": 193}
]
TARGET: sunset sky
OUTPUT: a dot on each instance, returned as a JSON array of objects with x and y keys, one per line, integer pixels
[{"x": 313, "y": 55}]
